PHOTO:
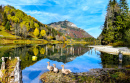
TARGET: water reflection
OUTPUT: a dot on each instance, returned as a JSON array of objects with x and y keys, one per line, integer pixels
[
  {"x": 78, "y": 58},
  {"x": 77, "y": 64}
]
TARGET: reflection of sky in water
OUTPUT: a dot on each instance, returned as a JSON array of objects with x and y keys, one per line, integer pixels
[{"x": 79, "y": 64}]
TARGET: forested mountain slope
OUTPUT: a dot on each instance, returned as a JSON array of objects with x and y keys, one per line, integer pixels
[
  {"x": 69, "y": 29},
  {"x": 18, "y": 23}
]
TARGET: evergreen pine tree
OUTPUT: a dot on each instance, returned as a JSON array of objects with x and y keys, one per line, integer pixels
[
  {"x": 7, "y": 26},
  {"x": 109, "y": 32},
  {"x": 4, "y": 19},
  {"x": 124, "y": 10}
]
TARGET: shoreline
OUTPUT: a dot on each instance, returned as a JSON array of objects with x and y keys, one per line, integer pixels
[
  {"x": 92, "y": 76},
  {"x": 39, "y": 41},
  {"x": 111, "y": 49}
]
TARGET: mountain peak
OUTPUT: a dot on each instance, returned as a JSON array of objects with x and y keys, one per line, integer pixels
[
  {"x": 69, "y": 29},
  {"x": 66, "y": 20}
]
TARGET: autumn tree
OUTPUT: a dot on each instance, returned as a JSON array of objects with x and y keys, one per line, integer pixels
[
  {"x": 43, "y": 33},
  {"x": 36, "y": 25},
  {"x": 23, "y": 30},
  {"x": 36, "y": 32},
  {"x": 21, "y": 23}
]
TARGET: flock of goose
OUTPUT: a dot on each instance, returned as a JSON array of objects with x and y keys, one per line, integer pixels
[{"x": 54, "y": 69}]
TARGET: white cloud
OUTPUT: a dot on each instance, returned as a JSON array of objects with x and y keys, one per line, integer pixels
[
  {"x": 23, "y": 2},
  {"x": 47, "y": 16},
  {"x": 85, "y": 8}
]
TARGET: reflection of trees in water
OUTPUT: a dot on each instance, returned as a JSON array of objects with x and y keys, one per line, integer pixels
[
  {"x": 126, "y": 60},
  {"x": 59, "y": 52},
  {"x": 110, "y": 61}
]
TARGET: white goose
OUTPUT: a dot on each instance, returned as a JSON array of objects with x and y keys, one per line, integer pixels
[
  {"x": 65, "y": 71},
  {"x": 55, "y": 69},
  {"x": 50, "y": 67}
]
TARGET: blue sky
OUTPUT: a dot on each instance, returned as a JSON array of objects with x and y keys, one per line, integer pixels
[{"x": 86, "y": 14}]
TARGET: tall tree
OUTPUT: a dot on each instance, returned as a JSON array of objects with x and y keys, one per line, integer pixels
[
  {"x": 43, "y": 33},
  {"x": 0, "y": 15},
  {"x": 7, "y": 26},
  {"x": 4, "y": 19},
  {"x": 36, "y": 32},
  {"x": 110, "y": 27},
  {"x": 24, "y": 31},
  {"x": 124, "y": 10},
  {"x": 16, "y": 28}
]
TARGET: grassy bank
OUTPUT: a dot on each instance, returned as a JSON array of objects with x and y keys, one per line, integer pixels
[
  {"x": 7, "y": 41},
  {"x": 8, "y": 37}
]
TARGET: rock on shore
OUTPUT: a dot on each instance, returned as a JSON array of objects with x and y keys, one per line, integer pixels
[
  {"x": 93, "y": 76},
  {"x": 112, "y": 50}
]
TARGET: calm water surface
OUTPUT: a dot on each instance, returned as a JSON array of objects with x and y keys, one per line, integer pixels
[{"x": 77, "y": 58}]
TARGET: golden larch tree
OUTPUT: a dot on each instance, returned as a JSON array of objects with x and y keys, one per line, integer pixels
[{"x": 36, "y": 32}]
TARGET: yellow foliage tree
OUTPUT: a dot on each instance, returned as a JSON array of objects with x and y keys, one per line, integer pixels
[
  {"x": 43, "y": 32},
  {"x": 9, "y": 17},
  {"x": 36, "y": 25},
  {"x": 42, "y": 51},
  {"x": 35, "y": 51},
  {"x": 36, "y": 32},
  {"x": 27, "y": 25},
  {"x": 22, "y": 24},
  {"x": 15, "y": 19}
]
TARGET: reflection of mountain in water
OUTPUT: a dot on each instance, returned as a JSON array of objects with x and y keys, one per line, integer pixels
[{"x": 68, "y": 53}]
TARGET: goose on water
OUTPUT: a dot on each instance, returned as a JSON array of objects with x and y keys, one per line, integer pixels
[
  {"x": 50, "y": 67},
  {"x": 65, "y": 71},
  {"x": 55, "y": 69}
]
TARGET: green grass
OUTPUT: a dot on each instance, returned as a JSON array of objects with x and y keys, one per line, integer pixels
[{"x": 5, "y": 34}]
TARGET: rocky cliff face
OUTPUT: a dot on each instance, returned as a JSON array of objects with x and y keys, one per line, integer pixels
[{"x": 69, "y": 29}]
